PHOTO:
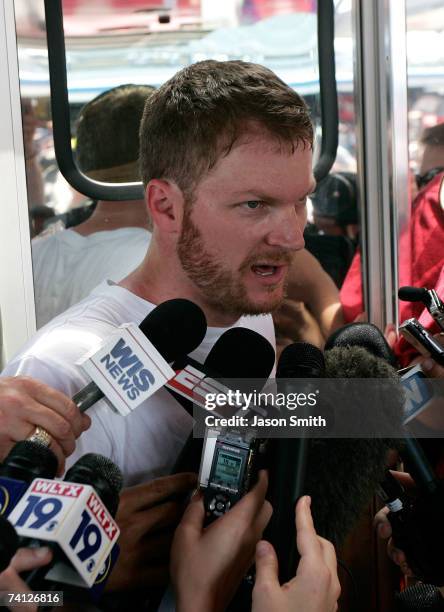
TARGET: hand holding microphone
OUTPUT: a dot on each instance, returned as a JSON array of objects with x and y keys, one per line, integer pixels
[
  {"x": 417, "y": 526},
  {"x": 14, "y": 560},
  {"x": 49, "y": 512},
  {"x": 429, "y": 366},
  {"x": 26, "y": 404},
  {"x": 315, "y": 588},
  {"x": 147, "y": 517},
  {"x": 384, "y": 528},
  {"x": 24, "y": 560}
]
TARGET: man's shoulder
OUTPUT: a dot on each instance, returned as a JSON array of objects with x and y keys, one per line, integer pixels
[
  {"x": 77, "y": 331},
  {"x": 47, "y": 241}
]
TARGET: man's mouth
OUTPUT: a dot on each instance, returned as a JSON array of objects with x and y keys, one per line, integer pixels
[
  {"x": 264, "y": 269},
  {"x": 271, "y": 273}
]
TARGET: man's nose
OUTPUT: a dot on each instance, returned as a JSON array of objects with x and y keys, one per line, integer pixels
[{"x": 288, "y": 231}]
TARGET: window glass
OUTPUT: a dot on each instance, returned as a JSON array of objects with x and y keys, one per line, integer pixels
[
  {"x": 421, "y": 261},
  {"x": 144, "y": 42}
]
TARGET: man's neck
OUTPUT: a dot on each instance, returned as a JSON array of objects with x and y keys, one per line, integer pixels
[
  {"x": 109, "y": 216},
  {"x": 151, "y": 282}
]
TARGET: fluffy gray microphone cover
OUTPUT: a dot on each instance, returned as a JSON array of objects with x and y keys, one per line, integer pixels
[{"x": 342, "y": 473}]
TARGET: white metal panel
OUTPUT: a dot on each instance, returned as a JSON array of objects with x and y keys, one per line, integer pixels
[
  {"x": 382, "y": 66},
  {"x": 17, "y": 313}
]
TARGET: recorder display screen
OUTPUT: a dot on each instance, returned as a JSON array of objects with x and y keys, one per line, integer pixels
[{"x": 228, "y": 467}]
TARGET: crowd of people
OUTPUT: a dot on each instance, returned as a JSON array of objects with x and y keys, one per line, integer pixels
[{"x": 226, "y": 162}]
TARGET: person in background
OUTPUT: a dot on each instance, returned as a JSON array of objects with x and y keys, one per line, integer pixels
[
  {"x": 420, "y": 246},
  {"x": 35, "y": 188},
  {"x": 432, "y": 161},
  {"x": 335, "y": 205},
  {"x": 112, "y": 241}
]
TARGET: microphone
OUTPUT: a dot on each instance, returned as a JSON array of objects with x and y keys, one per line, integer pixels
[
  {"x": 74, "y": 517},
  {"x": 342, "y": 473},
  {"x": 133, "y": 363},
  {"x": 413, "y": 294},
  {"x": 9, "y": 542},
  {"x": 25, "y": 461},
  {"x": 371, "y": 338},
  {"x": 237, "y": 353},
  {"x": 428, "y": 297},
  {"x": 301, "y": 360},
  {"x": 419, "y": 597},
  {"x": 427, "y": 512},
  {"x": 241, "y": 353},
  {"x": 365, "y": 335},
  {"x": 102, "y": 474},
  {"x": 289, "y": 458},
  {"x": 107, "y": 481},
  {"x": 416, "y": 529}
]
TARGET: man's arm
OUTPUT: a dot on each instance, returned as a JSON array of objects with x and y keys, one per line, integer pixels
[{"x": 309, "y": 283}]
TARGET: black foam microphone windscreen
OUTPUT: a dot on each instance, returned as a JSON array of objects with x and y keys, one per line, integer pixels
[
  {"x": 300, "y": 360},
  {"x": 420, "y": 597},
  {"x": 241, "y": 353},
  {"x": 342, "y": 473},
  {"x": 175, "y": 327},
  {"x": 413, "y": 294},
  {"x": 28, "y": 460},
  {"x": 365, "y": 335},
  {"x": 102, "y": 474}
]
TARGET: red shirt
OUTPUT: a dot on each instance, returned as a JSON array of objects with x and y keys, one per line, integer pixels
[{"x": 421, "y": 264}]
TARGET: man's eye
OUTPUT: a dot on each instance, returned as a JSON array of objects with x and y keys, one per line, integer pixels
[{"x": 253, "y": 204}]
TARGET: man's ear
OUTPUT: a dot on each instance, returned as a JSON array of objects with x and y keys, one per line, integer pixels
[{"x": 165, "y": 205}]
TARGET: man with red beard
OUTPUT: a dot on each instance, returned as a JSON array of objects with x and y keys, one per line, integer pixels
[{"x": 226, "y": 160}]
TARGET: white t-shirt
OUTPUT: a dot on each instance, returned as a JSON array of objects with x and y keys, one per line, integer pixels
[
  {"x": 146, "y": 443},
  {"x": 67, "y": 266}
]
